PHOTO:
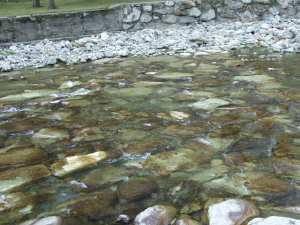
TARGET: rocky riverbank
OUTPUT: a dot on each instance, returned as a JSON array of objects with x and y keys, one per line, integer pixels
[{"x": 275, "y": 33}]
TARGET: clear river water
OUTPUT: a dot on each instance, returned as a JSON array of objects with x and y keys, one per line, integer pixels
[{"x": 92, "y": 141}]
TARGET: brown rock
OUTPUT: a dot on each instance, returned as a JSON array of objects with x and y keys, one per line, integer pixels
[{"x": 136, "y": 189}]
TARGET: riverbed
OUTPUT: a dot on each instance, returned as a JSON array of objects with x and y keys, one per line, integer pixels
[{"x": 94, "y": 141}]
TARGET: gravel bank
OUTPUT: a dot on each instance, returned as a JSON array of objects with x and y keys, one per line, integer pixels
[{"x": 276, "y": 33}]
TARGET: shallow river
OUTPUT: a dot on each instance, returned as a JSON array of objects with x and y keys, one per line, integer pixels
[{"x": 92, "y": 141}]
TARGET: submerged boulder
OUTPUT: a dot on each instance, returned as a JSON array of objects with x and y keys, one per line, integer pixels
[
  {"x": 231, "y": 212},
  {"x": 47, "y": 136},
  {"x": 137, "y": 188},
  {"x": 209, "y": 104},
  {"x": 77, "y": 162},
  {"x": 183, "y": 158},
  {"x": 12, "y": 179},
  {"x": 156, "y": 215}
]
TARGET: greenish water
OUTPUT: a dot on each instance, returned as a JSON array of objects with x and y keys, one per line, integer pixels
[{"x": 176, "y": 130}]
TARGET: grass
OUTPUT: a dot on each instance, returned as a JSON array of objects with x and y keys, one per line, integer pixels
[{"x": 24, "y": 7}]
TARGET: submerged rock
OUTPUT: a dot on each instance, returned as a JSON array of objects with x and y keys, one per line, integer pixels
[
  {"x": 105, "y": 176},
  {"x": 137, "y": 188},
  {"x": 51, "y": 220},
  {"x": 12, "y": 179},
  {"x": 274, "y": 220},
  {"x": 73, "y": 163},
  {"x": 186, "y": 220},
  {"x": 183, "y": 158},
  {"x": 231, "y": 212},
  {"x": 174, "y": 75},
  {"x": 209, "y": 104},
  {"x": 156, "y": 215},
  {"x": 88, "y": 134},
  {"x": 21, "y": 156},
  {"x": 27, "y": 95},
  {"x": 94, "y": 206},
  {"x": 252, "y": 147},
  {"x": 47, "y": 136},
  {"x": 179, "y": 115}
]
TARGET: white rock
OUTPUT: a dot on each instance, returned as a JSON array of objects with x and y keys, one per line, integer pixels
[
  {"x": 156, "y": 215},
  {"x": 210, "y": 104},
  {"x": 51, "y": 220},
  {"x": 231, "y": 212},
  {"x": 274, "y": 220}
]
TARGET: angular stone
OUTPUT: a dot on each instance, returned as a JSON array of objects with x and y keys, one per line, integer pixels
[
  {"x": 208, "y": 15},
  {"x": 231, "y": 212},
  {"x": 147, "y": 8},
  {"x": 156, "y": 215},
  {"x": 170, "y": 19},
  {"x": 12, "y": 179},
  {"x": 209, "y": 104},
  {"x": 105, "y": 176},
  {"x": 274, "y": 220},
  {"x": 194, "y": 12},
  {"x": 136, "y": 189},
  {"x": 47, "y": 136},
  {"x": 74, "y": 163},
  {"x": 146, "y": 18},
  {"x": 131, "y": 14},
  {"x": 186, "y": 20}
]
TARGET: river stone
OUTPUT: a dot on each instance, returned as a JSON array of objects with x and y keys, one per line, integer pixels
[
  {"x": 183, "y": 158},
  {"x": 15, "y": 200},
  {"x": 105, "y": 176},
  {"x": 131, "y": 92},
  {"x": 69, "y": 84},
  {"x": 88, "y": 134},
  {"x": 169, "y": 19},
  {"x": 95, "y": 206},
  {"x": 274, "y": 220},
  {"x": 173, "y": 75},
  {"x": 186, "y": 220},
  {"x": 252, "y": 147},
  {"x": 131, "y": 14},
  {"x": 194, "y": 12},
  {"x": 22, "y": 156},
  {"x": 265, "y": 183},
  {"x": 179, "y": 115},
  {"x": 74, "y": 163},
  {"x": 208, "y": 15},
  {"x": 51, "y": 220},
  {"x": 231, "y": 212},
  {"x": 156, "y": 215},
  {"x": 209, "y": 104},
  {"x": 27, "y": 95},
  {"x": 136, "y": 189},
  {"x": 254, "y": 78},
  {"x": 231, "y": 185},
  {"x": 146, "y": 18},
  {"x": 12, "y": 179},
  {"x": 48, "y": 136}
]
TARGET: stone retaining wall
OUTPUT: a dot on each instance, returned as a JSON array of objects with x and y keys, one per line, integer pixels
[{"x": 138, "y": 16}]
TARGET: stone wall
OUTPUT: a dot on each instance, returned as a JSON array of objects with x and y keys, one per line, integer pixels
[{"x": 138, "y": 16}]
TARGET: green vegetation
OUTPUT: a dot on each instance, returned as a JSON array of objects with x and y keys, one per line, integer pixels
[{"x": 24, "y": 7}]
